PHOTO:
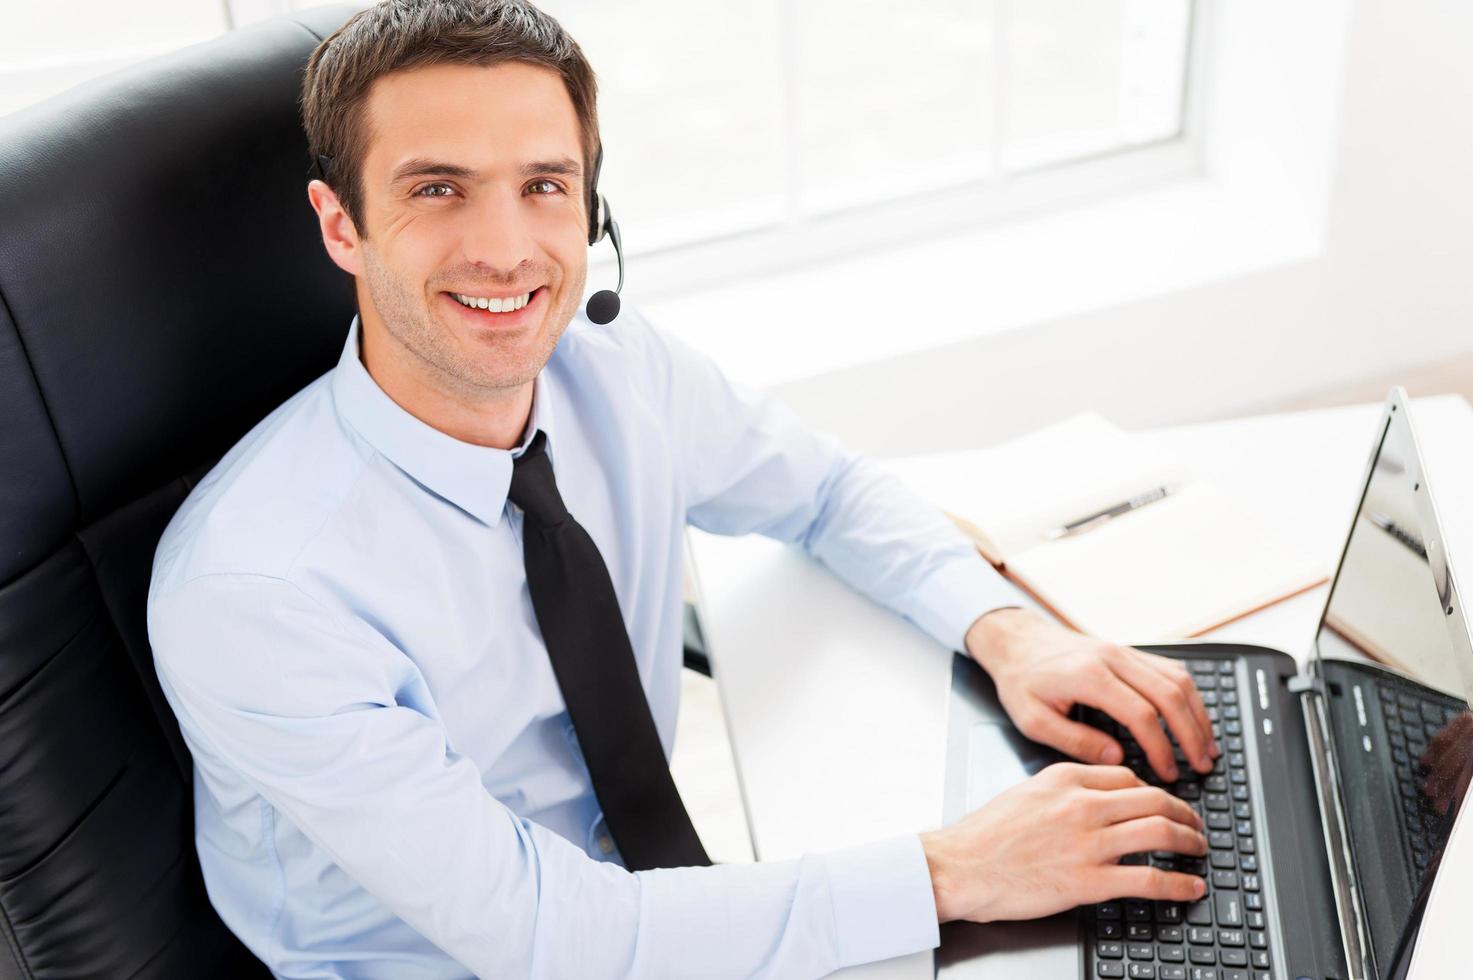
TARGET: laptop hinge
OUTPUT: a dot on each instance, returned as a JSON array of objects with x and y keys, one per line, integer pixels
[
  {"x": 1349, "y": 905},
  {"x": 1304, "y": 683}
]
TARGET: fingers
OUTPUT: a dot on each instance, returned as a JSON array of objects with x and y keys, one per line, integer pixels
[
  {"x": 1176, "y": 672},
  {"x": 1082, "y": 742},
  {"x": 1174, "y": 696},
  {"x": 1146, "y": 801},
  {"x": 1155, "y": 833},
  {"x": 1121, "y": 701},
  {"x": 1143, "y": 881},
  {"x": 1104, "y": 777}
]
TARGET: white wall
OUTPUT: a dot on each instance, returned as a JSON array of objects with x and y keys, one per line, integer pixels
[{"x": 1391, "y": 289}]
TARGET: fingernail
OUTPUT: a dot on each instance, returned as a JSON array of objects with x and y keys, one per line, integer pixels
[
  {"x": 1199, "y": 888},
  {"x": 1112, "y": 755},
  {"x": 1172, "y": 774},
  {"x": 1204, "y": 762}
]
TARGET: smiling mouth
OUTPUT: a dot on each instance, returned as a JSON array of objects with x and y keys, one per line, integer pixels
[{"x": 494, "y": 304}]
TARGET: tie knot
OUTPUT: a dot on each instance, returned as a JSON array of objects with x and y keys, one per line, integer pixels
[{"x": 533, "y": 488}]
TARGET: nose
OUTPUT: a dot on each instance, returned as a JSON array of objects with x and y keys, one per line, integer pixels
[{"x": 497, "y": 234}]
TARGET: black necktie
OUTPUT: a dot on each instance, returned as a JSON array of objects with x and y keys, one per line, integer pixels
[{"x": 578, "y": 612}]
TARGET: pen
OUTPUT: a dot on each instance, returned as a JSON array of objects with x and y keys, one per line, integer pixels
[{"x": 1099, "y": 517}]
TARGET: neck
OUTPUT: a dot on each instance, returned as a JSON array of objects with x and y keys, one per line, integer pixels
[{"x": 496, "y": 419}]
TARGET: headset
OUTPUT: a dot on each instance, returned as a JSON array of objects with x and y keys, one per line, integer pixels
[{"x": 603, "y": 305}]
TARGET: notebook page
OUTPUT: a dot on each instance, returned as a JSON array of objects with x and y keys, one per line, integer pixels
[
  {"x": 1010, "y": 496},
  {"x": 1166, "y": 571}
]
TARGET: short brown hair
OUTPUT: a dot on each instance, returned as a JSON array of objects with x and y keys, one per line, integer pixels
[{"x": 397, "y": 35}]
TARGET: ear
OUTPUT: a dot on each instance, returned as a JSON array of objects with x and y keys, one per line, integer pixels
[{"x": 339, "y": 236}]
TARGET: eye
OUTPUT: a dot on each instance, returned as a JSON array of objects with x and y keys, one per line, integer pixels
[
  {"x": 435, "y": 190},
  {"x": 554, "y": 186}
]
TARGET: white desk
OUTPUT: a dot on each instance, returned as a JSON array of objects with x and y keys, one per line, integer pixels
[{"x": 837, "y": 708}]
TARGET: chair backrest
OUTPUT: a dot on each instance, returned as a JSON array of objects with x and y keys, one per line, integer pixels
[{"x": 162, "y": 287}]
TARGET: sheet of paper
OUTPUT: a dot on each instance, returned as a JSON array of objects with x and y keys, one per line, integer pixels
[
  {"x": 1015, "y": 493},
  {"x": 1167, "y": 571}
]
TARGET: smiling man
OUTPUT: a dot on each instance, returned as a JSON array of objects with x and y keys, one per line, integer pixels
[{"x": 422, "y": 625}]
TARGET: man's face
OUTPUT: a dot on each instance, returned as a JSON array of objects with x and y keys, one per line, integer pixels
[{"x": 472, "y": 188}]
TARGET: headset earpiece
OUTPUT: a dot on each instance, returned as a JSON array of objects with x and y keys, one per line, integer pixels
[{"x": 603, "y": 305}]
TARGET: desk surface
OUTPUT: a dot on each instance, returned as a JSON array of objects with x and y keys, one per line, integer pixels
[{"x": 837, "y": 708}]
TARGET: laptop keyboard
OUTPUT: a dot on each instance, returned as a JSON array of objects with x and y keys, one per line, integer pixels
[
  {"x": 1224, "y": 936},
  {"x": 1411, "y": 721}
]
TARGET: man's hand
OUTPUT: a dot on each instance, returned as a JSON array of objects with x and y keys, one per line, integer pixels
[
  {"x": 1043, "y": 669},
  {"x": 1052, "y": 842}
]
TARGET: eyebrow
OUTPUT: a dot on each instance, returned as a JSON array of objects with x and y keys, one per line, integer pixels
[{"x": 425, "y": 167}]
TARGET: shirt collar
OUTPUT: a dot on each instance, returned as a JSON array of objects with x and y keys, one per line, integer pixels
[{"x": 473, "y": 478}]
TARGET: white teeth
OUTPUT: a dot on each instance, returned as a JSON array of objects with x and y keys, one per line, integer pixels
[{"x": 493, "y": 304}]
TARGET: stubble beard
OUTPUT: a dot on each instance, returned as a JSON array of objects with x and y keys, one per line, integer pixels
[{"x": 506, "y": 364}]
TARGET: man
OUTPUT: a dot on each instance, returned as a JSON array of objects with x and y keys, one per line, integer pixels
[{"x": 430, "y": 711}]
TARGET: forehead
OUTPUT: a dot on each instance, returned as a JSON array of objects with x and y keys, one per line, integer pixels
[{"x": 478, "y": 116}]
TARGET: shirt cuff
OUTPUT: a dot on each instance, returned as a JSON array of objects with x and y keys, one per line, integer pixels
[
  {"x": 884, "y": 904},
  {"x": 957, "y": 593}
]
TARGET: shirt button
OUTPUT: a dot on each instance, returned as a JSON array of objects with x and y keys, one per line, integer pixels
[{"x": 606, "y": 844}]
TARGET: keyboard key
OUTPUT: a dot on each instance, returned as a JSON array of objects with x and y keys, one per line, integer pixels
[
  {"x": 1140, "y": 951},
  {"x": 1220, "y": 839},
  {"x": 1253, "y": 902},
  {"x": 1168, "y": 934},
  {"x": 1107, "y": 910},
  {"x": 1138, "y": 932},
  {"x": 1137, "y": 912},
  {"x": 1109, "y": 969},
  {"x": 1226, "y": 879},
  {"x": 1200, "y": 913},
  {"x": 1172, "y": 973},
  {"x": 1110, "y": 951},
  {"x": 1257, "y": 940},
  {"x": 1200, "y": 937},
  {"x": 1171, "y": 954},
  {"x": 1108, "y": 930},
  {"x": 1141, "y": 971},
  {"x": 1204, "y": 973},
  {"x": 1204, "y": 955},
  {"x": 1231, "y": 937},
  {"x": 1260, "y": 959},
  {"x": 1168, "y": 912},
  {"x": 1229, "y": 909},
  {"x": 1234, "y": 957}
]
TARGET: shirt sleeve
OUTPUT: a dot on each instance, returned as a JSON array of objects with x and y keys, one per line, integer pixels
[
  {"x": 333, "y": 726},
  {"x": 749, "y": 465}
]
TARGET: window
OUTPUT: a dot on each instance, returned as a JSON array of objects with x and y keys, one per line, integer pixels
[{"x": 725, "y": 118}]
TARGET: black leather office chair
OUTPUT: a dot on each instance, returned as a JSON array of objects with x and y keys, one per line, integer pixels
[{"x": 162, "y": 287}]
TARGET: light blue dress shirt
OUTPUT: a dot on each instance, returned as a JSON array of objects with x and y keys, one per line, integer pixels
[{"x": 386, "y": 781}]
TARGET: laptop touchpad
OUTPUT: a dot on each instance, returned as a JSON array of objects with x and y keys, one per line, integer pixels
[{"x": 999, "y": 757}]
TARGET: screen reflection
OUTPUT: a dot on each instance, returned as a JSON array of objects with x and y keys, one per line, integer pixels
[{"x": 1396, "y": 698}]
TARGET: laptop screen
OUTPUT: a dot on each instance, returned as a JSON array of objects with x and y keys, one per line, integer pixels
[{"x": 1403, "y": 737}]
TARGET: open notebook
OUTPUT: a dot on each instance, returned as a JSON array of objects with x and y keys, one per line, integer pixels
[{"x": 1173, "y": 568}]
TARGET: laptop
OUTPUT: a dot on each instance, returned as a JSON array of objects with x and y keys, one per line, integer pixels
[{"x": 1334, "y": 799}]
